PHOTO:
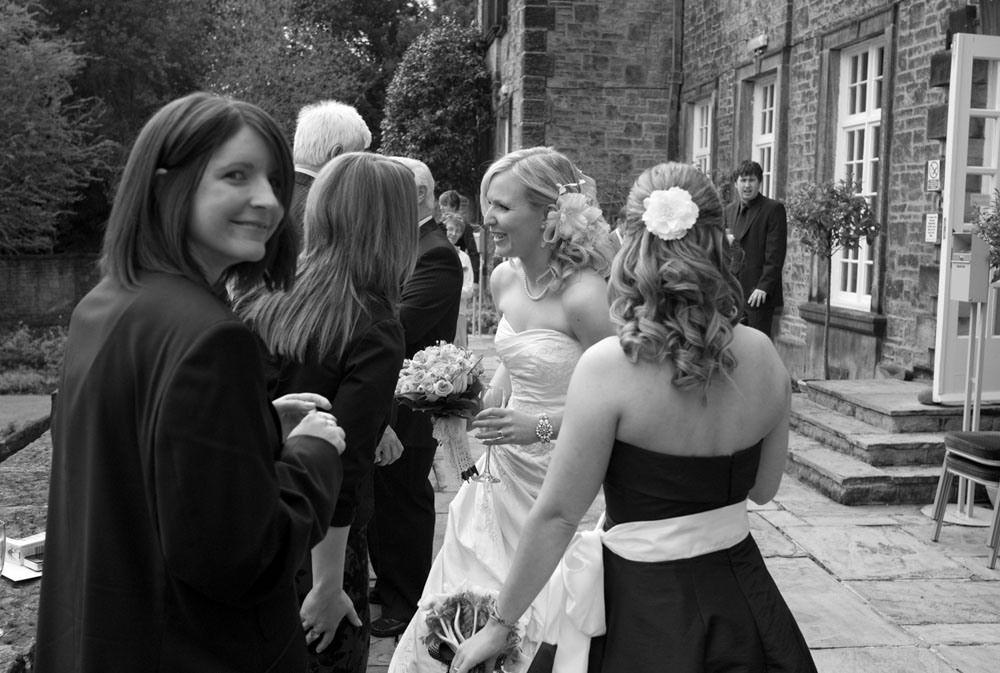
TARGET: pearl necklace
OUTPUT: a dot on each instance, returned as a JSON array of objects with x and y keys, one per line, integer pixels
[{"x": 524, "y": 277}]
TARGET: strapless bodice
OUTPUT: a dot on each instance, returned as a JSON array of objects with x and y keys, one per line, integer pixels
[
  {"x": 642, "y": 485},
  {"x": 540, "y": 363}
]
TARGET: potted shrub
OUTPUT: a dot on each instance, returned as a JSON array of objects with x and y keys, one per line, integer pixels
[
  {"x": 829, "y": 217},
  {"x": 988, "y": 229}
]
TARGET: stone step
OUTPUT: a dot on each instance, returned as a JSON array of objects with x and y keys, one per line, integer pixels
[
  {"x": 853, "y": 437},
  {"x": 851, "y": 481},
  {"x": 892, "y": 405}
]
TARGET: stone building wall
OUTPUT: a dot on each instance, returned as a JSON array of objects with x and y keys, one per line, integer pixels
[
  {"x": 596, "y": 80},
  {"x": 613, "y": 83},
  {"x": 803, "y": 37}
]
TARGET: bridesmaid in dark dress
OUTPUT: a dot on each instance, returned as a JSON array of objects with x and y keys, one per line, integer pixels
[
  {"x": 690, "y": 422},
  {"x": 337, "y": 333}
]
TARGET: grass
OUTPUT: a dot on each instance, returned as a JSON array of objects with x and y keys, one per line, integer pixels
[{"x": 30, "y": 359}]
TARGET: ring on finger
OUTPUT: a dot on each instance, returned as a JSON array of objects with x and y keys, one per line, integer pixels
[{"x": 499, "y": 434}]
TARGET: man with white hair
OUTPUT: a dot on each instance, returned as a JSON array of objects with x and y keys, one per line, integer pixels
[
  {"x": 401, "y": 536},
  {"x": 323, "y": 131}
]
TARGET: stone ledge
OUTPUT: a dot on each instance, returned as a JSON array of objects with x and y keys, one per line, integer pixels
[{"x": 862, "y": 322}]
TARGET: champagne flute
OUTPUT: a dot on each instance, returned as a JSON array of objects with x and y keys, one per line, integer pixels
[
  {"x": 487, "y": 477},
  {"x": 3, "y": 549}
]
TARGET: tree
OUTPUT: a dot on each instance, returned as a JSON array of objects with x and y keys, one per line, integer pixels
[
  {"x": 829, "y": 217},
  {"x": 438, "y": 105},
  {"x": 262, "y": 52},
  {"x": 140, "y": 55},
  {"x": 379, "y": 32},
  {"x": 47, "y": 150}
]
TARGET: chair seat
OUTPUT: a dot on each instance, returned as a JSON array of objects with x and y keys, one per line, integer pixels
[
  {"x": 971, "y": 469},
  {"x": 981, "y": 445}
]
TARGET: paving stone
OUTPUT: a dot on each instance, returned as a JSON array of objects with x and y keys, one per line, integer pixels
[
  {"x": 770, "y": 540},
  {"x": 957, "y": 634},
  {"x": 782, "y": 519},
  {"x": 973, "y": 658},
  {"x": 883, "y": 659},
  {"x": 934, "y": 601},
  {"x": 873, "y": 552},
  {"x": 830, "y": 614}
]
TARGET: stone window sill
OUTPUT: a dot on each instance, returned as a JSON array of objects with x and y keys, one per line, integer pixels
[{"x": 862, "y": 322}]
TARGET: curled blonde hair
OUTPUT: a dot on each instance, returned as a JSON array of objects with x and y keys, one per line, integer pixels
[
  {"x": 543, "y": 170},
  {"x": 677, "y": 300}
]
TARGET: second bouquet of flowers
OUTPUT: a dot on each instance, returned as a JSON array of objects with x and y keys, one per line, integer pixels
[
  {"x": 444, "y": 381},
  {"x": 453, "y": 618}
]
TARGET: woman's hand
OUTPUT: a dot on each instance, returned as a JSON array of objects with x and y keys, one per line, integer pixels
[
  {"x": 505, "y": 426},
  {"x": 321, "y": 614},
  {"x": 323, "y": 426},
  {"x": 292, "y": 408},
  {"x": 483, "y": 646}
]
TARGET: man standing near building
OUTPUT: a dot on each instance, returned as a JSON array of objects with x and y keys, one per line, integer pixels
[
  {"x": 323, "y": 131},
  {"x": 401, "y": 537},
  {"x": 760, "y": 229}
]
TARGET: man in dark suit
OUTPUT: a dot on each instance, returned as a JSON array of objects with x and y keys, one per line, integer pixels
[
  {"x": 401, "y": 536},
  {"x": 759, "y": 227},
  {"x": 323, "y": 131}
]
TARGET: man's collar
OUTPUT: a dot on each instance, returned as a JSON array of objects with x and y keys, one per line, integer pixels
[
  {"x": 425, "y": 220},
  {"x": 308, "y": 171}
]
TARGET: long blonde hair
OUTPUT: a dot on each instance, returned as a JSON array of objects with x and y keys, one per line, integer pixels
[
  {"x": 360, "y": 247},
  {"x": 677, "y": 299},
  {"x": 542, "y": 171}
]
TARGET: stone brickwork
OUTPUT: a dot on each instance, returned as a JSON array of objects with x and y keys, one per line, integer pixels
[
  {"x": 596, "y": 80},
  {"x": 42, "y": 290},
  {"x": 612, "y": 82},
  {"x": 803, "y": 36}
]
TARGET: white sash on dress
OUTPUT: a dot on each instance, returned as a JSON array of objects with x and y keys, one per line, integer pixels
[{"x": 581, "y": 572}]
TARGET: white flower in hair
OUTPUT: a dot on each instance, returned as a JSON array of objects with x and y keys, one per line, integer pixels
[{"x": 669, "y": 213}]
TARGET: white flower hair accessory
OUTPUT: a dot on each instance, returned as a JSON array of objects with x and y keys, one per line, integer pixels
[
  {"x": 669, "y": 213},
  {"x": 572, "y": 216}
]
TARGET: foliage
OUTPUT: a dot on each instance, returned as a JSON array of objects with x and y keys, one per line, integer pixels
[
  {"x": 829, "y": 217},
  {"x": 140, "y": 55},
  {"x": 30, "y": 359},
  {"x": 263, "y": 52},
  {"x": 378, "y": 33},
  {"x": 49, "y": 153},
  {"x": 438, "y": 104},
  {"x": 988, "y": 229}
]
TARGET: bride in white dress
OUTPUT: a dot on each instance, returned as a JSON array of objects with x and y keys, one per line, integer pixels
[{"x": 551, "y": 293}]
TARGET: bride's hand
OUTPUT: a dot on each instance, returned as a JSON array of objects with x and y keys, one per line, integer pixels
[
  {"x": 504, "y": 426},
  {"x": 482, "y": 647}
]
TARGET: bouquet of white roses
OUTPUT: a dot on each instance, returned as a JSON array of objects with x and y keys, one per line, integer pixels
[
  {"x": 452, "y": 619},
  {"x": 444, "y": 381}
]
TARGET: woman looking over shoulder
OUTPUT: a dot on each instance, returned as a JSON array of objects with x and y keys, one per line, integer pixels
[
  {"x": 337, "y": 333},
  {"x": 553, "y": 299},
  {"x": 182, "y": 501},
  {"x": 691, "y": 420}
]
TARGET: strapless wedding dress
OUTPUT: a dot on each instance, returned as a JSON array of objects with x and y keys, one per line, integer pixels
[{"x": 485, "y": 521}]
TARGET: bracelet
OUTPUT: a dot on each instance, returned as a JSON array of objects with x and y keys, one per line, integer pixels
[
  {"x": 544, "y": 429},
  {"x": 495, "y": 616}
]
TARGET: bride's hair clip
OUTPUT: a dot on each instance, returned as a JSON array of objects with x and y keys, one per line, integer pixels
[
  {"x": 577, "y": 187},
  {"x": 669, "y": 213}
]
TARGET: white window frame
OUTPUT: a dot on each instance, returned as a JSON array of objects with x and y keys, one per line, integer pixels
[
  {"x": 765, "y": 121},
  {"x": 702, "y": 120},
  {"x": 859, "y": 140}
]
